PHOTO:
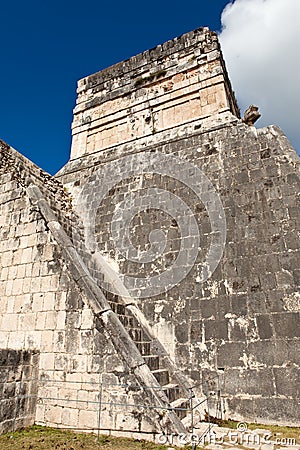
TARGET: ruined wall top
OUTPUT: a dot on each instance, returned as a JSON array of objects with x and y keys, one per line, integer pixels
[{"x": 178, "y": 82}]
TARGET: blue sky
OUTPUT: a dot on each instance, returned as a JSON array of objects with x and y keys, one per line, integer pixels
[{"x": 47, "y": 46}]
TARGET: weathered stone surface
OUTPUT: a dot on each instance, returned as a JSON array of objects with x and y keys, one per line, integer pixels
[
  {"x": 145, "y": 95},
  {"x": 63, "y": 296},
  {"x": 18, "y": 388}
]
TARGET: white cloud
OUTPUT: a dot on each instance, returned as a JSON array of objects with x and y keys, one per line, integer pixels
[{"x": 260, "y": 40}]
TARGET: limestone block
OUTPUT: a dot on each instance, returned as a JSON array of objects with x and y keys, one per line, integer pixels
[
  {"x": 47, "y": 361},
  {"x": 15, "y": 339},
  {"x": 61, "y": 361},
  {"x": 88, "y": 419},
  {"x": 67, "y": 392},
  {"x": 51, "y": 320},
  {"x": 46, "y": 284},
  {"x": 69, "y": 417},
  {"x": 37, "y": 302},
  {"x": 52, "y": 414},
  {"x": 26, "y": 255},
  {"x": 4, "y": 273},
  {"x": 26, "y": 321},
  {"x": 22, "y": 303},
  {"x": 92, "y": 397},
  {"x": 4, "y": 337},
  {"x": 75, "y": 377},
  {"x": 78, "y": 143},
  {"x": 21, "y": 270},
  {"x": 86, "y": 341},
  {"x": 60, "y": 320},
  {"x": 28, "y": 229},
  {"x": 60, "y": 300},
  {"x": 59, "y": 341},
  {"x": 126, "y": 421},
  {"x": 32, "y": 339},
  {"x": 3, "y": 287},
  {"x": 40, "y": 413},
  {"x": 35, "y": 285},
  {"x": 9, "y": 322},
  {"x": 4, "y": 306},
  {"x": 47, "y": 340},
  {"x": 40, "y": 319},
  {"x": 87, "y": 319},
  {"x": 28, "y": 270},
  {"x": 17, "y": 287},
  {"x": 79, "y": 363},
  {"x": 8, "y": 287},
  {"x": 8, "y": 305},
  {"x": 46, "y": 389},
  {"x": 12, "y": 272}
]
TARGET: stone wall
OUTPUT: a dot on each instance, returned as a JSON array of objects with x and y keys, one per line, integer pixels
[
  {"x": 50, "y": 305},
  {"x": 243, "y": 322},
  {"x": 18, "y": 388}
]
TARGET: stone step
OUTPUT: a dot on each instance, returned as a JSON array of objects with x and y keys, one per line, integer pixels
[
  {"x": 201, "y": 428},
  {"x": 162, "y": 376},
  {"x": 136, "y": 334},
  {"x": 118, "y": 308},
  {"x": 172, "y": 391},
  {"x": 113, "y": 306},
  {"x": 152, "y": 362},
  {"x": 127, "y": 321},
  {"x": 180, "y": 407},
  {"x": 144, "y": 348}
]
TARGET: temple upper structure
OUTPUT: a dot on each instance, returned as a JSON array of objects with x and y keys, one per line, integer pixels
[{"x": 183, "y": 81}]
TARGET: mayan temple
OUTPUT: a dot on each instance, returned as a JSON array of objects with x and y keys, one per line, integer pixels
[{"x": 157, "y": 273}]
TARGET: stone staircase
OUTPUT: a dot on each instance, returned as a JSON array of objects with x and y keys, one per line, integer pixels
[
  {"x": 173, "y": 383},
  {"x": 179, "y": 401}
]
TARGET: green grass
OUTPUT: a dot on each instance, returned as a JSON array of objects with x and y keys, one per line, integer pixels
[
  {"x": 276, "y": 430},
  {"x": 44, "y": 438}
]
